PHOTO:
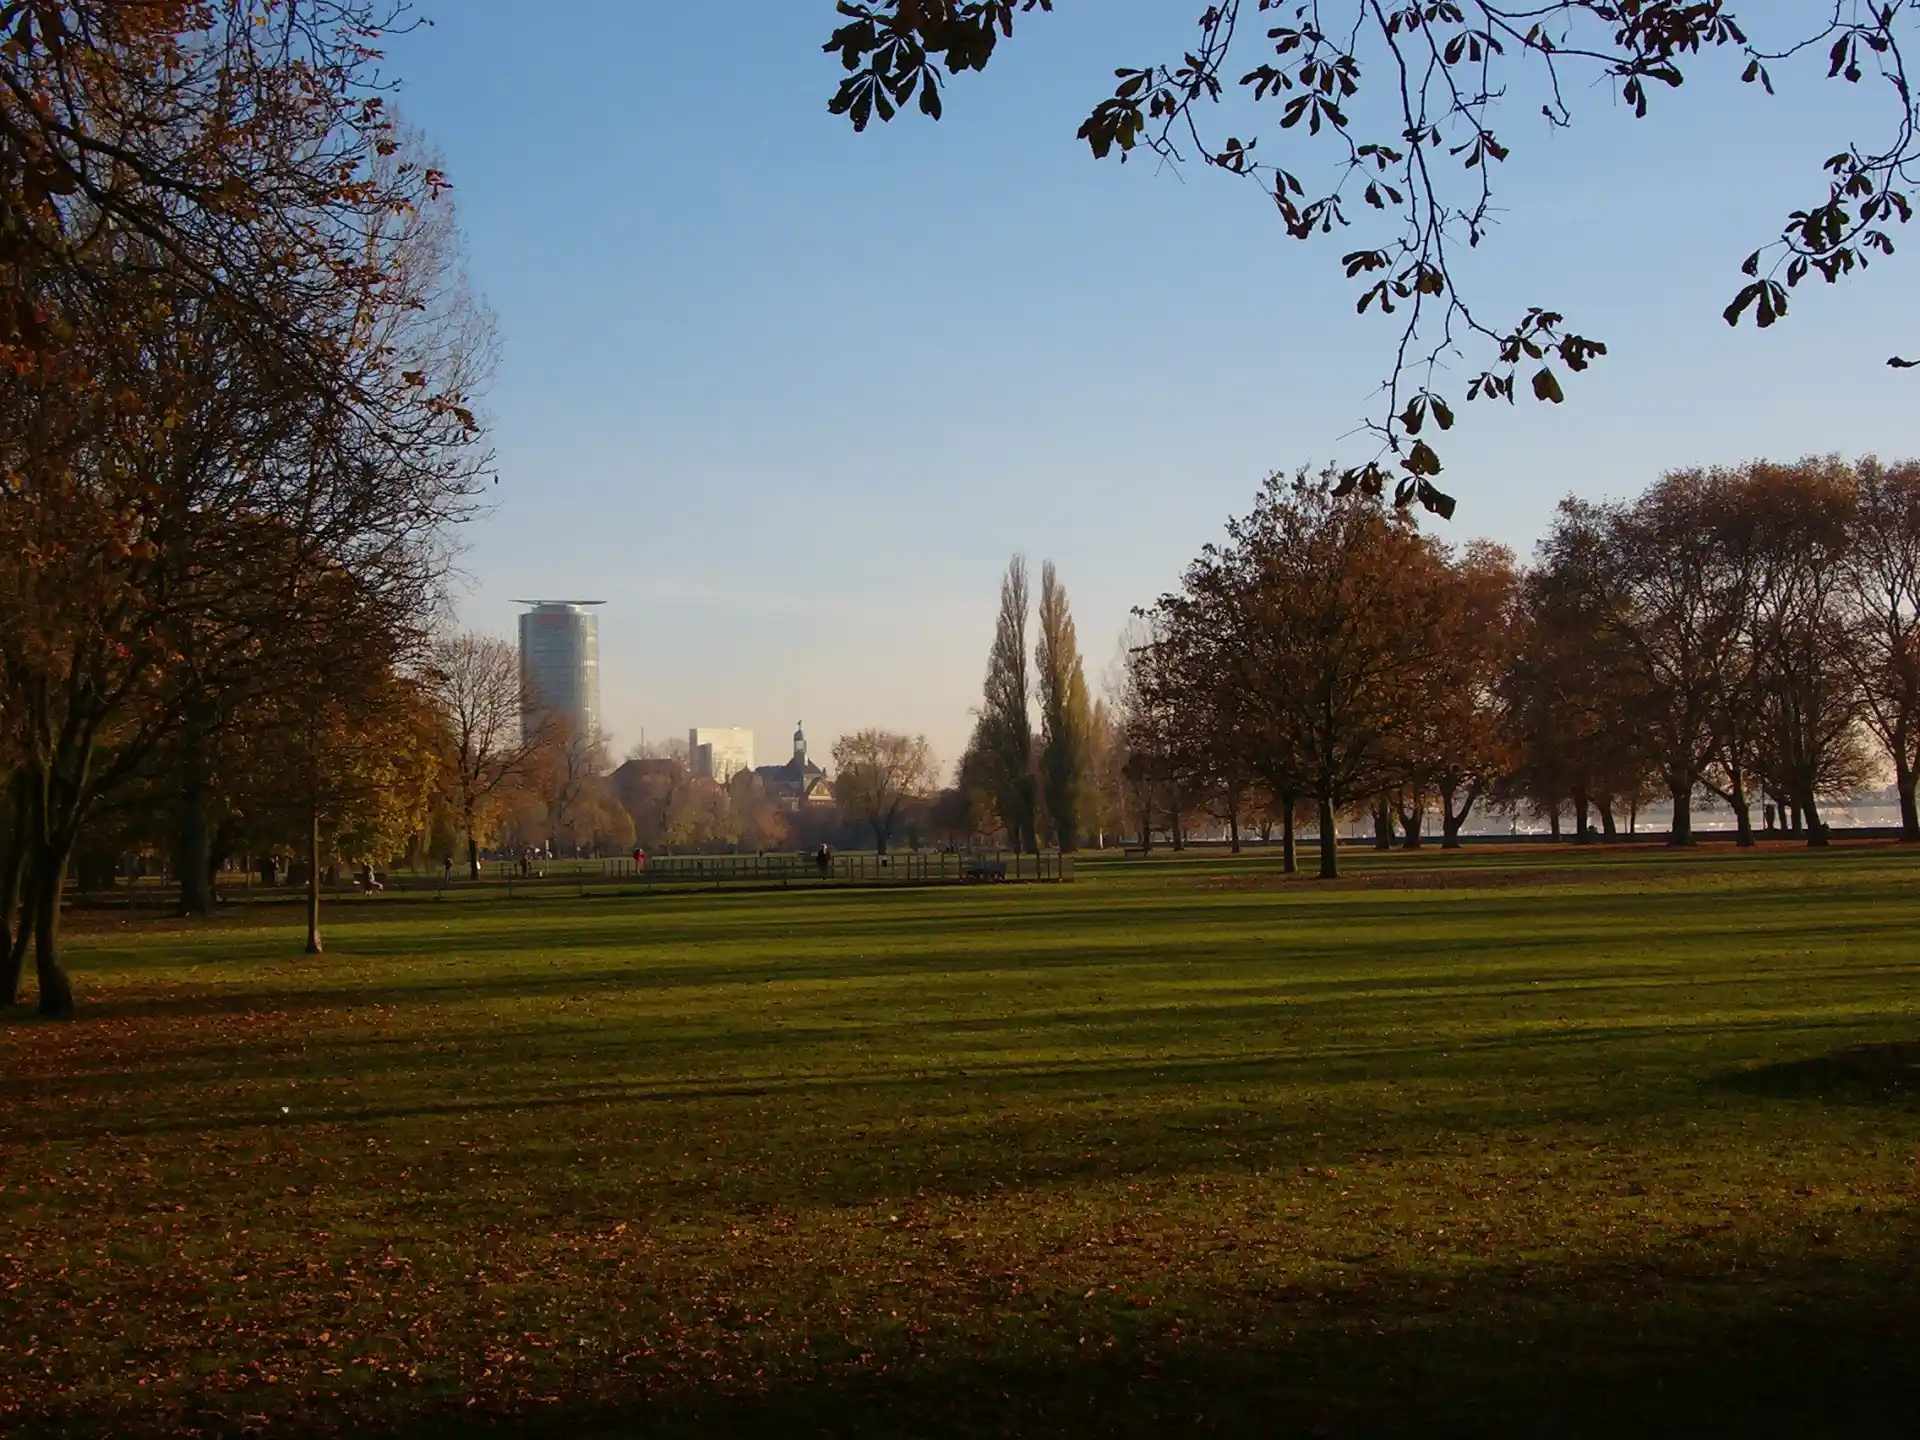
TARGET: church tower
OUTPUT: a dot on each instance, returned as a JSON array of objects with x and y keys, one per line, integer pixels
[{"x": 800, "y": 749}]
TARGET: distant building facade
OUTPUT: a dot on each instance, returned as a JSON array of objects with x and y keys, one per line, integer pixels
[
  {"x": 799, "y": 783},
  {"x": 560, "y": 663},
  {"x": 717, "y": 754}
]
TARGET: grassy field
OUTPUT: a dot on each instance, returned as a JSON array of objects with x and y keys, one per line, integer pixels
[{"x": 1529, "y": 1142}]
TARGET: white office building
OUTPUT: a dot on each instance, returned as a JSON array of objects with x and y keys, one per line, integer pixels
[
  {"x": 560, "y": 662},
  {"x": 717, "y": 754}
]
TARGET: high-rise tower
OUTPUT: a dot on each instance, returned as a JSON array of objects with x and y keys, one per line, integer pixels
[{"x": 560, "y": 662}]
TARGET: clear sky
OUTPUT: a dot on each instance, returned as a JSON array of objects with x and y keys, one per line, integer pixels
[{"x": 787, "y": 397}]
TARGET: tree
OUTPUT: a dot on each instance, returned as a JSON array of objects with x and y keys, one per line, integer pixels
[
  {"x": 1005, "y": 728},
  {"x": 1140, "y": 691},
  {"x": 1105, "y": 784},
  {"x": 1338, "y": 611},
  {"x": 757, "y": 821},
  {"x": 1403, "y": 105},
  {"x": 1647, "y": 571},
  {"x": 1571, "y": 704},
  {"x": 569, "y": 778},
  {"x": 1739, "y": 550},
  {"x": 658, "y": 793},
  {"x": 1066, "y": 718},
  {"x": 876, "y": 773},
  {"x": 496, "y": 739},
  {"x": 971, "y": 809},
  {"x": 1880, "y": 606},
  {"x": 370, "y": 754},
  {"x": 1199, "y": 687},
  {"x": 1806, "y": 689},
  {"x": 351, "y": 742},
  {"x": 1461, "y": 750},
  {"x": 235, "y": 355}
]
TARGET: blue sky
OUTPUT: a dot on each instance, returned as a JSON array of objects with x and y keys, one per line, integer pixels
[{"x": 787, "y": 397}]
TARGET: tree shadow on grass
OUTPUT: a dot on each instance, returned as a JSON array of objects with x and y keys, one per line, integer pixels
[
  {"x": 1789, "y": 1376},
  {"x": 1597, "y": 1349},
  {"x": 1856, "y": 1075}
]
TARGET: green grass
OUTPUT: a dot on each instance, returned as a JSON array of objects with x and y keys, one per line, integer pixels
[{"x": 1523, "y": 1142}]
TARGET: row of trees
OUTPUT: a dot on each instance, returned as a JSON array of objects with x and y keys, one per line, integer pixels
[
  {"x": 1749, "y": 634},
  {"x": 1761, "y": 628},
  {"x": 1030, "y": 785},
  {"x": 237, "y": 362}
]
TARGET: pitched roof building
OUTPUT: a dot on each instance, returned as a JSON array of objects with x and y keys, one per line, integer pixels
[{"x": 799, "y": 783}]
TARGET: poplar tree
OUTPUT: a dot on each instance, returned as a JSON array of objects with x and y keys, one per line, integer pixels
[
  {"x": 1066, "y": 717},
  {"x": 1006, "y": 726}
]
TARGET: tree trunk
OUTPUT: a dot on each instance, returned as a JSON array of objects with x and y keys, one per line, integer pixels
[
  {"x": 1553, "y": 822},
  {"x": 313, "y": 878},
  {"x": 1412, "y": 820},
  {"x": 13, "y": 962},
  {"x": 1609, "y": 828},
  {"x": 1905, "y": 781},
  {"x": 1382, "y": 826},
  {"x": 1742, "y": 807},
  {"x": 49, "y": 880},
  {"x": 15, "y": 925},
  {"x": 1681, "y": 831},
  {"x": 1582, "y": 830},
  {"x": 1233, "y": 823},
  {"x": 1816, "y": 831},
  {"x": 1329, "y": 842},
  {"x": 191, "y": 839},
  {"x": 1742, "y": 819},
  {"x": 1289, "y": 854}
]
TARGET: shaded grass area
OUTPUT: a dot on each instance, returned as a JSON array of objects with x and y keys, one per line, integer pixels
[{"x": 1540, "y": 1141}]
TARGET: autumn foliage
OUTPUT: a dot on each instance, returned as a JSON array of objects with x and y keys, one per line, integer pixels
[
  {"x": 237, "y": 364},
  {"x": 1747, "y": 635}
]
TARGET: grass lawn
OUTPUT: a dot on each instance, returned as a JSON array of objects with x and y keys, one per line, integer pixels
[{"x": 1526, "y": 1142}]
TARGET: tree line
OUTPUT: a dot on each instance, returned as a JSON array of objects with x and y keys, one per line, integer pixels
[{"x": 1749, "y": 634}]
